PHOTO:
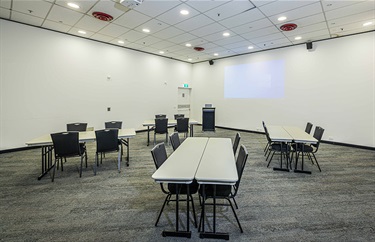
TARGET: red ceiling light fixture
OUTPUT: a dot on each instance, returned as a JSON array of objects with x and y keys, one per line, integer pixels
[
  {"x": 288, "y": 27},
  {"x": 199, "y": 48},
  {"x": 102, "y": 16}
]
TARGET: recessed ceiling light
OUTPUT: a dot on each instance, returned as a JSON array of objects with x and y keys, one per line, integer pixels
[
  {"x": 190, "y": 59},
  {"x": 298, "y": 38},
  {"x": 121, "y": 42},
  {"x": 184, "y": 12},
  {"x": 161, "y": 52},
  {"x": 188, "y": 45},
  {"x": 73, "y": 5},
  {"x": 81, "y": 32},
  {"x": 250, "y": 47},
  {"x": 146, "y": 30},
  {"x": 367, "y": 24},
  {"x": 226, "y": 34},
  {"x": 216, "y": 54},
  {"x": 282, "y": 18}
]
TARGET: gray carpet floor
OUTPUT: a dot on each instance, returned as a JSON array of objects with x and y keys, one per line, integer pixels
[{"x": 337, "y": 204}]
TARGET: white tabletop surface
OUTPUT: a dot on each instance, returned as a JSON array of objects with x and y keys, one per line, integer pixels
[
  {"x": 218, "y": 165},
  {"x": 299, "y": 135},
  {"x": 151, "y": 122},
  {"x": 181, "y": 165},
  {"x": 279, "y": 134},
  {"x": 83, "y": 136}
]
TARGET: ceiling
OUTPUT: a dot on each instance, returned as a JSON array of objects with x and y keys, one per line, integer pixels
[{"x": 250, "y": 23}]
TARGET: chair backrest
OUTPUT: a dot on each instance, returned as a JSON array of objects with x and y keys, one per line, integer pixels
[
  {"x": 160, "y": 116},
  {"x": 76, "y": 127},
  {"x": 107, "y": 140},
  {"x": 113, "y": 125},
  {"x": 175, "y": 140},
  {"x": 161, "y": 125},
  {"x": 240, "y": 164},
  {"x": 159, "y": 154},
  {"x": 308, "y": 127},
  {"x": 318, "y": 134},
  {"x": 66, "y": 144},
  {"x": 182, "y": 125},
  {"x": 236, "y": 142},
  {"x": 176, "y": 116}
]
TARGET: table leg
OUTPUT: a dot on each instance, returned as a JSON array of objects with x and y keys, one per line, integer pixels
[
  {"x": 281, "y": 160},
  {"x": 46, "y": 160},
  {"x": 302, "y": 170}
]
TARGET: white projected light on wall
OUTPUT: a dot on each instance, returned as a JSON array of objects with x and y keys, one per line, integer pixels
[{"x": 255, "y": 80}]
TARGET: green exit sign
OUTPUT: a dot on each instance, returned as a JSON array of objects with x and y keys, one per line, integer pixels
[{"x": 186, "y": 85}]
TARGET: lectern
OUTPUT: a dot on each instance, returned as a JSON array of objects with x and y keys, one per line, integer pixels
[{"x": 208, "y": 119}]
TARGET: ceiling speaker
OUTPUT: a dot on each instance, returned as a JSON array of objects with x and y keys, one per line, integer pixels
[
  {"x": 309, "y": 45},
  {"x": 211, "y": 62}
]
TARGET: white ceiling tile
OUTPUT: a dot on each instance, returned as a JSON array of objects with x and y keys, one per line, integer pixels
[
  {"x": 148, "y": 40},
  {"x": 5, "y": 4},
  {"x": 268, "y": 38},
  {"x": 208, "y": 29},
  {"x": 168, "y": 33},
  {"x": 356, "y": 27},
  {"x": 74, "y": 31},
  {"x": 90, "y": 23},
  {"x": 173, "y": 16},
  {"x": 56, "y": 26},
  {"x": 218, "y": 36},
  {"x": 132, "y": 36},
  {"x": 242, "y": 18},
  {"x": 131, "y": 19},
  {"x": 329, "y": 5},
  {"x": 182, "y": 39},
  {"x": 229, "y": 40},
  {"x": 351, "y": 10},
  {"x": 176, "y": 48},
  {"x": 278, "y": 7},
  {"x": 101, "y": 37},
  {"x": 203, "y": 6},
  {"x": 317, "y": 18},
  {"x": 25, "y": 18},
  {"x": 113, "y": 30},
  {"x": 135, "y": 46},
  {"x": 66, "y": 16},
  {"x": 307, "y": 37},
  {"x": 241, "y": 44},
  {"x": 248, "y": 27},
  {"x": 155, "y": 8},
  {"x": 302, "y": 12},
  {"x": 306, "y": 29},
  {"x": 37, "y": 8},
  {"x": 364, "y": 16},
  {"x": 261, "y": 32},
  {"x": 153, "y": 25},
  {"x": 4, "y": 13},
  {"x": 194, "y": 23},
  {"x": 229, "y": 9},
  {"x": 163, "y": 45},
  {"x": 85, "y": 5}
]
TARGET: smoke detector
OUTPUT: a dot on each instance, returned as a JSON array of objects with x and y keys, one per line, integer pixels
[{"x": 102, "y": 16}]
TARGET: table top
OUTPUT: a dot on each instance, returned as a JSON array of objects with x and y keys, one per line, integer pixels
[
  {"x": 181, "y": 165},
  {"x": 218, "y": 164},
  {"x": 83, "y": 136},
  {"x": 290, "y": 134},
  {"x": 151, "y": 122}
]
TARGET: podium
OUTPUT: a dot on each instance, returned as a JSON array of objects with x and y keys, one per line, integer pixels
[{"x": 208, "y": 119}]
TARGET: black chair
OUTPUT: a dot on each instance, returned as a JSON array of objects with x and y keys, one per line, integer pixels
[
  {"x": 280, "y": 147},
  {"x": 176, "y": 116},
  {"x": 269, "y": 142},
  {"x": 66, "y": 144},
  {"x": 107, "y": 141},
  {"x": 309, "y": 149},
  {"x": 160, "y": 116},
  {"x": 236, "y": 142},
  {"x": 113, "y": 125},
  {"x": 76, "y": 127},
  {"x": 183, "y": 126},
  {"x": 175, "y": 140},
  {"x": 226, "y": 192},
  {"x": 159, "y": 155},
  {"x": 308, "y": 127},
  {"x": 161, "y": 127}
]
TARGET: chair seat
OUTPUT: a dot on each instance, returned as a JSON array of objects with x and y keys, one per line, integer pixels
[
  {"x": 279, "y": 147},
  {"x": 302, "y": 147},
  {"x": 221, "y": 190},
  {"x": 193, "y": 187}
]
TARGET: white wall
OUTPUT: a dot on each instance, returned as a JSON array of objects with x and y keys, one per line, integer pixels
[
  {"x": 49, "y": 79},
  {"x": 331, "y": 86}
]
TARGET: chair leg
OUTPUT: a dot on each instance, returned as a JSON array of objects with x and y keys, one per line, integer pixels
[
  {"x": 86, "y": 157},
  {"x": 192, "y": 205},
  {"x": 53, "y": 173},
  {"x": 162, "y": 208},
  {"x": 235, "y": 203},
  {"x": 316, "y": 161},
  {"x": 80, "y": 170},
  {"x": 235, "y": 215},
  {"x": 270, "y": 159}
]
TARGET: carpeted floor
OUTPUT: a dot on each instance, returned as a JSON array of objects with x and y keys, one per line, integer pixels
[{"x": 337, "y": 204}]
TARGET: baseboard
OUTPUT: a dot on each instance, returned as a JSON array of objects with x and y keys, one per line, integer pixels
[{"x": 18, "y": 149}]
